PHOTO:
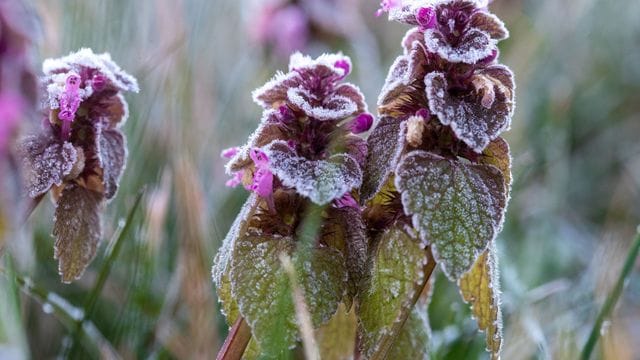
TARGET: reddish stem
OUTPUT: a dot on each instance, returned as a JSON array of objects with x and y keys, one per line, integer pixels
[{"x": 236, "y": 342}]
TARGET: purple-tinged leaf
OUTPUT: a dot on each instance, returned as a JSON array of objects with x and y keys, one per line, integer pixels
[
  {"x": 331, "y": 107},
  {"x": 45, "y": 162},
  {"x": 386, "y": 143},
  {"x": 412, "y": 36},
  {"x": 274, "y": 93},
  {"x": 489, "y": 24},
  {"x": 456, "y": 207},
  {"x": 481, "y": 115},
  {"x": 112, "y": 157},
  {"x": 85, "y": 59},
  {"x": 403, "y": 91},
  {"x": 77, "y": 230},
  {"x": 474, "y": 45},
  {"x": 319, "y": 180},
  {"x": 266, "y": 132}
]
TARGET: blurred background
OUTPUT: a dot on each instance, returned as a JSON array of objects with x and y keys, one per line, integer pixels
[{"x": 574, "y": 207}]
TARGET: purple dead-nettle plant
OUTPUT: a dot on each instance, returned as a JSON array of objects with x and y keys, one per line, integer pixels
[
  {"x": 303, "y": 162},
  {"x": 437, "y": 176},
  {"x": 79, "y": 152},
  {"x": 18, "y": 88}
]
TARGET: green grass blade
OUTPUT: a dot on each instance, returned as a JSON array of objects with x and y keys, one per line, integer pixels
[{"x": 612, "y": 299}]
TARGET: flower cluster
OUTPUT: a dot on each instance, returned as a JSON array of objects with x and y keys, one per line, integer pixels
[
  {"x": 79, "y": 153},
  {"x": 307, "y": 135}
]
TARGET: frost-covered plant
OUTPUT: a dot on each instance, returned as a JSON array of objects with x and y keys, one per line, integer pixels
[
  {"x": 79, "y": 152},
  {"x": 303, "y": 167},
  {"x": 437, "y": 175},
  {"x": 17, "y": 98}
]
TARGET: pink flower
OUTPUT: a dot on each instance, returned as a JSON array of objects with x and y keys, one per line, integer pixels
[
  {"x": 262, "y": 177},
  {"x": 230, "y": 152},
  {"x": 235, "y": 180},
  {"x": 69, "y": 104}
]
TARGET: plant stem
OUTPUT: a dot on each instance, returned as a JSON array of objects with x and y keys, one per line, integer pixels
[
  {"x": 612, "y": 299},
  {"x": 236, "y": 342},
  {"x": 388, "y": 340}
]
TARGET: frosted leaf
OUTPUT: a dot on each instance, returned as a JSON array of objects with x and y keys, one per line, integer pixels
[
  {"x": 263, "y": 292},
  {"x": 77, "y": 230},
  {"x": 274, "y": 92},
  {"x": 406, "y": 13},
  {"x": 114, "y": 108},
  {"x": 331, "y": 107},
  {"x": 474, "y": 45},
  {"x": 266, "y": 132},
  {"x": 413, "y": 340},
  {"x": 403, "y": 91},
  {"x": 357, "y": 148},
  {"x": 480, "y": 287},
  {"x": 319, "y": 180},
  {"x": 222, "y": 262},
  {"x": 45, "y": 161},
  {"x": 386, "y": 144},
  {"x": 468, "y": 116},
  {"x": 395, "y": 274},
  {"x": 325, "y": 63},
  {"x": 410, "y": 37},
  {"x": 456, "y": 207},
  {"x": 352, "y": 93},
  {"x": 497, "y": 154},
  {"x": 489, "y": 24},
  {"x": 349, "y": 234},
  {"x": 112, "y": 156},
  {"x": 85, "y": 58},
  {"x": 336, "y": 339}
]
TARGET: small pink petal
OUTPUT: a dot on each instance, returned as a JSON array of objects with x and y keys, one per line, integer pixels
[{"x": 230, "y": 152}]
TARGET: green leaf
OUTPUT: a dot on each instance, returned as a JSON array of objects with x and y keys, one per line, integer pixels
[
  {"x": 77, "y": 230},
  {"x": 336, "y": 339},
  {"x": 263, "y": 291},
  {"x": 480, "y": 287},
  {"x": 396, "y": 274},
  {"x": 457, "y": 207},
  {"x": 413, "y": 340},
  {"x": 221, "y": 264}
]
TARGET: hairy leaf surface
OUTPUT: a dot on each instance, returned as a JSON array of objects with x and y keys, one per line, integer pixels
[
  {"x": 396, "y": 271},
  {"x": 45, "y": 161},
  {"x": 480, "y": 287},
  {"x": 112, "y": 155},
  {"x": 480, "y": 116},
  {"x": 456, "y": 207},
  {"x": 413, "y": 340},
  {"x": 263, "y": 291},
  {"x": 77, "y": 230},
  {"x": 319, "y": 180},
  {"x": 386, "y": 143}
]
